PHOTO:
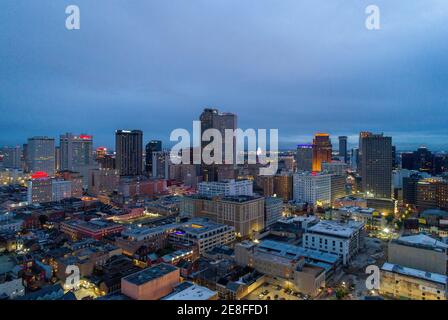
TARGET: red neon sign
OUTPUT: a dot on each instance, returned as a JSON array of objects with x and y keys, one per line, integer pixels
[{"x": 39, "y": 175}]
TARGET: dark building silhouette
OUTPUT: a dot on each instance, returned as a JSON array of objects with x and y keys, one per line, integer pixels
[
  {"x": 376, "y": 165},
  {"x": 213, "y": 119},
  {"x": 151, "y": 147},
  {"x": 129, "y": 152},
  {"x": 343, "y": 148}
]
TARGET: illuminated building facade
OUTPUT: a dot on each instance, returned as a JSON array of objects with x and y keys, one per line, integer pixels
[
  {"x": 76, "y": 151},
  {"x": 40, "y": 155},
  {"x": 244, "y": 213},
  {"x": 313, "y": 187},
  {"x": 202, "y": 234},
  {"x": 407, "y": 283},
  {"x": 322, "y": 150},
  {"x": 283, "y": 186},
  {"x": 43, "y": 189},
  {"x": 432, "y": 193},
  {"x": 226, "y": 188},
  {"x": 151, "y": 283}
]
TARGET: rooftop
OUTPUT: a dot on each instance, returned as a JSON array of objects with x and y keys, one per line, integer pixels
[
  {"x": 422, "y": 240},
  {"x": 150, "y": 274},
  {"x": 91, "y": 225},
  {"x": 190, "y": 291},
  {"x": 198, "y": 226},
  {"x": 293, "y": 251},
  {"x": 415, "y": 273},
  {"x": 334, "y": 228},
  {"x": 434, "y": 212}
]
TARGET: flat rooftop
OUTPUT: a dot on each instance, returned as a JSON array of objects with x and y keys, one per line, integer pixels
[
  {"x": 198, "y": 226},
  {"x": 150, "y": 274},
  {"x": 334, "y": 228},
  {"x": 415, "y": 273},
  {"x": 422, "y": 240},
  {"x": 191, "y": 292},
  {"x": 91, "y": 225},
  {"x": 293, "y": 251}
]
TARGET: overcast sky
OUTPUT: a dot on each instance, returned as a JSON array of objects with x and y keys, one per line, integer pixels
[{"x": 302, "y": 66}]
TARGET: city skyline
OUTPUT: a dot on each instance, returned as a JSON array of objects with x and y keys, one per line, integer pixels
[{"x": 300, "y": 67}]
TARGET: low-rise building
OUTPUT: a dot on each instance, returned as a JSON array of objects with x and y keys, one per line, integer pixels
[
  {"x": 11, "y": 287},
  {"x": 301, "y": 269},
  {"x": 371, "y": 218},
  {"x": 408, "y": 283},
  {"x": 189, "y": 291},
  {"x": 244, "y": 213},
  {"x": 96, "y": 229},
  {"x": 203, "y": 234},
  {"x": 420, "y": 252},
  {"x": 343, "y": 239},
  {"x": 151, "y": 283}
]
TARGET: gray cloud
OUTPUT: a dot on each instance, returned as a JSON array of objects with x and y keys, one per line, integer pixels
[{"x": 300, "y": 66}]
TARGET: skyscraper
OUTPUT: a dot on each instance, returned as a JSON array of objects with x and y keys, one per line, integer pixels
[
  {"x": 160, "y": 164},
  {"x": 129, "y": 149},
  {"x": 213, "y": 119},
  {"x": 304, "y": 157},
  {"x": 12, "y": 157},
  {"x": 41, "y": 155},
  {"x": 151, "y": 147},
  {"x": 343, "y": 148},
  {"x": 321, "y": 150},
  {"x": 76, "y": 151},
  {"x": 362, "y": 134},
  {"x": 376, "y": 165}
]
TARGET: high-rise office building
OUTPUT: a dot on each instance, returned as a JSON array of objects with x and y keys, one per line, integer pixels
[
  {"x": 129, "y": 152},
  {"x": 376, "y": 165},
  {"x": 304, "y": 157},
  {"x": 151, "y": 147},
  {"x": 314, "y": 188},
  {"x": 321, "y": 150},
  {"x": 12, "y": 157},
  {"x": 76, "y": 151},
  {"x": 362, "y": 134},
  {"x": 283, "y": 186},
  {"x": 343, "y": 148},
  {"x": 213, "y": 119},
  {"x": 41, "y": 155},
  {"x": 160, "y": 164}
]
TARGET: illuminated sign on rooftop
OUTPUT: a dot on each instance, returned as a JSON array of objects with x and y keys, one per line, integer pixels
[{"x": 39, "y": 175}]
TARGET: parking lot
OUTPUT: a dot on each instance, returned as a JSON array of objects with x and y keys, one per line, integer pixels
[{"x": 270, "y": 291}]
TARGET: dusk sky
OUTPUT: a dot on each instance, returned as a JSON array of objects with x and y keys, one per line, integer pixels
[{"x": 299, "y": 66}]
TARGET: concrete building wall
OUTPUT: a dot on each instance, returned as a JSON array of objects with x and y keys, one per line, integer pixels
[{"x": 418, "y": 258}]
